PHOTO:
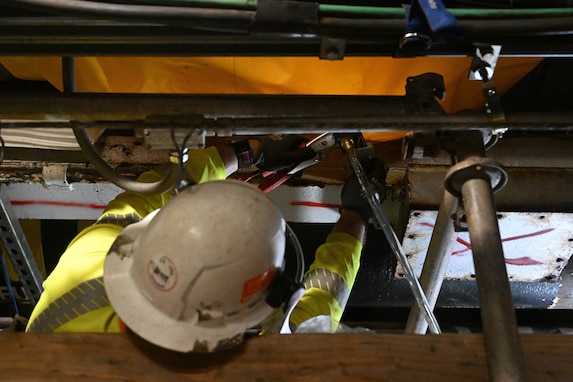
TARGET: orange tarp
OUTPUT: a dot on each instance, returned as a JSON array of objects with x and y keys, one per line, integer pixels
[{"x": 276, "y": 75}]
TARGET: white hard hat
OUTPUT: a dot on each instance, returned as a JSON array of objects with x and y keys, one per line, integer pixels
[{"x": 195, "y": 276}]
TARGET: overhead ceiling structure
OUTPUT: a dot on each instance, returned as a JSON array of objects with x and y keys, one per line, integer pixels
[{"x": 462, "y": 99}]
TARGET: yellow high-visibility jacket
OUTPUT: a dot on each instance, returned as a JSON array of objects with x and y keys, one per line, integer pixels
[{"x": 74, "y": 298}]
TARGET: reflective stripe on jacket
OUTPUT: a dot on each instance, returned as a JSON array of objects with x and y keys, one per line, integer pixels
[{"x": 329, "y": 280}]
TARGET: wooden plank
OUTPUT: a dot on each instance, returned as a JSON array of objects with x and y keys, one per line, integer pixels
[{"x": 380, "y": 357}]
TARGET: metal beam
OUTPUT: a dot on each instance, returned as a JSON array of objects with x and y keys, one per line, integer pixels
[{"x": 254, "y": 114}]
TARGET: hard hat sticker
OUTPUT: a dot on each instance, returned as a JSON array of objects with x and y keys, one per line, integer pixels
[
  {"x": 256, "y": 284},
  {"x": 162, "y": 273}
]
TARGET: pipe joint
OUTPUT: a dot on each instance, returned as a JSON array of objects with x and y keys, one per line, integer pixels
[{"x": 475, "y": 168}]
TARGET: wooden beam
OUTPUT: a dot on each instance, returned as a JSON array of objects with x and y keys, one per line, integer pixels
[{"x": 380, "y": 357}]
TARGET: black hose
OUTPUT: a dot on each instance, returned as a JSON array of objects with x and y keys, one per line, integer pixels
[
  {"x": 300, "y": 266},
  {"x": 2, "y": 149},
  {"x": 109, "y": 173},
  {"x": 243, "y": 20},
  {"x": 470, "y": 28},
  {"x": 191, "y": 17},
  {"x": 88, "y": 149},
  {"x": 68, "y": 74}
]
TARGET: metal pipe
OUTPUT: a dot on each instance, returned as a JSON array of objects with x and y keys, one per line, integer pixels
[
  {"x": 436, "y": 262},
  {"x": 469, "y": 144},
  {"x": 68, "y": 74},
  {"x": 503, "y": 349},
  {"x": 302, "y": 125},
  {"x": 168, "y": 31},
  {"x": 241, "y": 114}
]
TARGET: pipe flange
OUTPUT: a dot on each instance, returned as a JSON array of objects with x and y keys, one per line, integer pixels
[{"x": 475, "y": 168}]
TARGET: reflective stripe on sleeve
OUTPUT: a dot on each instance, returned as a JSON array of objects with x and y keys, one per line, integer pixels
[
  {"x": 328, "y": 281},
  {"x": 84, "y": 298},
  {"x": 117, "y": 219}
]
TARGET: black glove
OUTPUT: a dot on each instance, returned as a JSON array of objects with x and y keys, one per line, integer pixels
[
  {"x": 353, "y": 197},
  {"x": 279, "y": 151}
]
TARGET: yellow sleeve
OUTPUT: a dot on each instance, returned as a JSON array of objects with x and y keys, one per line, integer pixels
[
  {"x": 329, "y": 279},
  {"x": 80, "y": 269},
  {"x": 203, "y": 165}
]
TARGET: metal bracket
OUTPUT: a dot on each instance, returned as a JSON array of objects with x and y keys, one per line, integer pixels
[
  {"x": 18, "y": 250},
  {"x": 56, "y": 175},
  {"x": 422, "y": 91},
  {"x": 186, "y": 130},
  {"x": 459, "y": 217},
  {"x": 482, "y": 68},
  {"x": 492, "y": 102},
  {"x": 161, "y": 139},
  {"x": 332, "y": 48},
  {"x": 484, "y": 62},
  {"x": 286, "y": 16}
]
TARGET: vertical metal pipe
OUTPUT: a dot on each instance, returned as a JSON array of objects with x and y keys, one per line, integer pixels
[
  {"x": 68, "y": 74},
  {"x": 436, "y": 263},
  {"x": 503, "y": 349}
]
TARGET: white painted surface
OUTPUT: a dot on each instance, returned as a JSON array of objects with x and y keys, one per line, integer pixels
[
  {"x": 308, "y": 204},
  {"x": 86, "y": 201},
  {"x": 535, "y": 245},
  {"x": 75, "y": 201}
]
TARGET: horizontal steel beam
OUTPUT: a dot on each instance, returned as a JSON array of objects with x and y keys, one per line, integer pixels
[
  {"x": 252, "y": 114},
  {"x": 76, "y": 36}
]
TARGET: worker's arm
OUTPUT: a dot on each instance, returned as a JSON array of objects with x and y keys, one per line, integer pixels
[{"x": 331, "y": 276}]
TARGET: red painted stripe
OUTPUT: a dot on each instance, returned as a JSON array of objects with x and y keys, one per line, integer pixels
[
  {"x": 528, "y": 234},
  {"x": 460, "y": 251},
  {"x": 462, "y": 241},
  {"x": 467, "y": 245},
  {"x": 315, "y": 204},
  {"x": 526, "y": 260},
  {"x": 59, "y": 204}
]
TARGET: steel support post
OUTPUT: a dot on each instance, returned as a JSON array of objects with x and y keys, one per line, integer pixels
[
  {"x": 475, "y": 178},
  {"x": 436, "y": 263},
  {"x": 503, "y": 349}
]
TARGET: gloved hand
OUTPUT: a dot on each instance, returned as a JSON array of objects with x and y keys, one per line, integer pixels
[
  {"x": 279, "y": 151},
  {"x": 354, "y": 199}
]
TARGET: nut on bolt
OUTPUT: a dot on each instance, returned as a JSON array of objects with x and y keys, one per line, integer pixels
[{"x": 347, "y": 144}]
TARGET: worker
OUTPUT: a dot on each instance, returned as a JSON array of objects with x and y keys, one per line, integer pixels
[{"x": 193, "y": 272}]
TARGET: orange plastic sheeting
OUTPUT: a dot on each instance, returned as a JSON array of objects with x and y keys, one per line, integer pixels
[{"x": 276, "y": 75}]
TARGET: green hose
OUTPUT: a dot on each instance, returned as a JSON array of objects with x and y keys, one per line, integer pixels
[{"x": 333, "y": 10}]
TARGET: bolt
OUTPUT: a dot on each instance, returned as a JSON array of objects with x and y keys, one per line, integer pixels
[
  {"x": 332, "y": 53},
  {"x": 347, "y": 144}
]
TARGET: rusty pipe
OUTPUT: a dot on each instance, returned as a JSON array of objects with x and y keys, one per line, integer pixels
[
  {"x": 503, "y": 348},
  {"x": 475, "y": 178},
  {"x": 436, "y": 263}
]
